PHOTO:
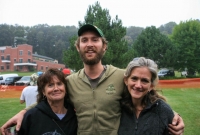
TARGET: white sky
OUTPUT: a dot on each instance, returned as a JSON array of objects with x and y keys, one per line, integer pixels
[{"x": 139, "y": 13}]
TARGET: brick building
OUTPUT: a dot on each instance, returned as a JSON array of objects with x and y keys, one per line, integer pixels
[{"x": 21, "y": 58}]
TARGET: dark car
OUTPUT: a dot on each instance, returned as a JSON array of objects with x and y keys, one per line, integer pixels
[
  {"x": 166, "y": 72},
  {"x": 11, "y": 80},
  {"x": 24, "y": 81}
]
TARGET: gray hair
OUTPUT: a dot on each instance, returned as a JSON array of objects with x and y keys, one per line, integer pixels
[{"x": 143, "y": 62}]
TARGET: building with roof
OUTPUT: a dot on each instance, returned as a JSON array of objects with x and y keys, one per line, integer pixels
[{"x": 22, "y": 58}]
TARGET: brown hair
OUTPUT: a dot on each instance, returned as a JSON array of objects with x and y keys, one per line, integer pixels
[{"x": 46, "y": 78}]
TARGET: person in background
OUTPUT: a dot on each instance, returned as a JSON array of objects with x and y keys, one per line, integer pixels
[
  {"x": 29, "y": 93},
  {"x": 53, "y": 113},
  {"x": 96, "y": 90},
  {"x": 144, "y": 111}
]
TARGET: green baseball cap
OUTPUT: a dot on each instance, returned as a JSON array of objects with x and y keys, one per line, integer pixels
[{"x": 87, "y": 27}]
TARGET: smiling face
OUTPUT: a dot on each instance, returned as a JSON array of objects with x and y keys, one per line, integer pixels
[
  {"x": 54, "y": 90},
  {"x": 139, "y": 82},
  {"x": 91, "y": 48}
]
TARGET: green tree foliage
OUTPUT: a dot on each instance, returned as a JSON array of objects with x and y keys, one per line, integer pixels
[
  {"x": 167, "y": 28},
  {"x": 114, "y": 32},
  {"x": 50, "y": 40},
  {"x": 12, "y": 35},
  {"x": 6, "y": 35},
  {"x": 154, "y": 45},
  {"x": 132, "y": 34},
  {"x": 73, "y": 58},
  {"x": 186, "y": 37}
]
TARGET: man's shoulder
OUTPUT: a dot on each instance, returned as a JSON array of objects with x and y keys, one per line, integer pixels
[
  {"x": 75, "y": 74},
  {"x": 115, "y": 69}
]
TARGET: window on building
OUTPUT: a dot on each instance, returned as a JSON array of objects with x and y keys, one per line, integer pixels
[
  {"x": 46, "y": 68},
  {"x": 7, "y": 67},
  {"x": 20, "y": 52},
  {"x": 41, "y": 67},
  {"x": 2, "y": 51},
  {"x": 2, "y": 57},
  {"x": 2, "y": 67},
  {"x": 8, "y": 57},
  {"x": 20, "y": 67},
  {"x": 29, "y": 53},
  {"x": 29, "y": 60},
  {"x": 20, "y": 60},
  {"x": 15, "y": 60}
]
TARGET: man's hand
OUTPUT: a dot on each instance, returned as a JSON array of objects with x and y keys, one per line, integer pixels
[
  {"x": 177, "y": 126},
  {"x": 15, "y": 120}
]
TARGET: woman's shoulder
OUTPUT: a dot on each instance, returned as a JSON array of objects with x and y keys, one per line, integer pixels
[
  {"x": 37, "y": 108},
  {"x": 164, "y": 108},
  {"x": 31, "y": 111}
]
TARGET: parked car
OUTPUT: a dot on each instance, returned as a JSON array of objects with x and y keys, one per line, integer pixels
[
  {"x": 11, "y": 80},
  {"x": 4, "y": 76},
  {"x": 166, "y": 72},
  {"x": 24, "y": 81}
]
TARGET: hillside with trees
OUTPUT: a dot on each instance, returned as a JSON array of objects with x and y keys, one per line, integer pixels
[{"x": 170, "y": 45}]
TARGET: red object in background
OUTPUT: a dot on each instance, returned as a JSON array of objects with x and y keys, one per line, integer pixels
[{"x": 66, "y": 71}]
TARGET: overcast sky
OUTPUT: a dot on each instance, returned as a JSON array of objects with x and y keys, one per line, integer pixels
[{"x": 141, "y": 13}]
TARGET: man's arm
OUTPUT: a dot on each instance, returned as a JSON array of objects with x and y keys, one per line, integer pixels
[
  {"x": 22, "y": 97},
  {"x": 177, "y": 126},
  {"x": 16, "y": 120}
]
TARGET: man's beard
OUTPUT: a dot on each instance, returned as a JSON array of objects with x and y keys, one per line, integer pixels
[{"x": 93, "y": 61}]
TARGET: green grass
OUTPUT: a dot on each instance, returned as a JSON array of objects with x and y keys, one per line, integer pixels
[
  {"x": 8, "y": 108},
  {"x": 183, "y": 101},
  {"x": 19, "y": 73},
  {"x": 186, "y": 103}
]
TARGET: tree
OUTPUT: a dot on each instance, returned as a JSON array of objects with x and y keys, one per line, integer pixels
[
  {"x": 114, "y": 33},
  {"x": 156, "y": 46},
  {"x": 133, "y": 32},
  {"x": 6, "y": 35},
  {"x": 50, "y": 40},
  {"x": 72, "y": 57},
  {"x": 167, "y": 28},
  {"x": 186, "y": 37}
]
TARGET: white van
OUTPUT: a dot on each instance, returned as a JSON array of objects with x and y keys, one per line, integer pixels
[{"x": 4, "y": 76}]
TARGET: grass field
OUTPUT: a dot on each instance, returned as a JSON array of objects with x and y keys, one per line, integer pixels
[
  {"x": 19, "y": 73},
  {"x": 184, "y": 101},
  {"x": 8, "y": 108}
]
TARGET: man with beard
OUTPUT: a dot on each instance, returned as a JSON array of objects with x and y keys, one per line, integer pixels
[{"x": 96, "y": 90}]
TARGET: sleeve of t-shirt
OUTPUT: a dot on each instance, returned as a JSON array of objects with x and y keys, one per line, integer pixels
[{"x": 22, "y": 97}]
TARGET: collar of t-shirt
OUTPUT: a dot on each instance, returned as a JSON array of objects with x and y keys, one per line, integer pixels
[{"x": 94, "y": 82}]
